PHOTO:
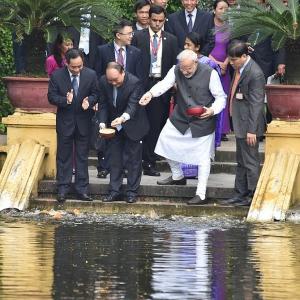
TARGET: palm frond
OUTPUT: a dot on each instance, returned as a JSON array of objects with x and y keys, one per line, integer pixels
[{"x": 259, "y": 22}]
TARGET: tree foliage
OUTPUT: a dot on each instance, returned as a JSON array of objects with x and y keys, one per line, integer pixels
[
  {"x": 6, "y": 68},
  {"x": 38, "y": 21}
]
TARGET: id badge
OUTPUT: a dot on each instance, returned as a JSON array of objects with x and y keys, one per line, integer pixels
[
  {"x": 239, "y": 96},
  {"x": 155, "y": 68}
]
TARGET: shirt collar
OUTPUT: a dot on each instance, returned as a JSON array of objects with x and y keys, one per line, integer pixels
[
  {"x": 194, "y": 12},
  {"x": 117, "y": 47},
  {"x": 139, "y": 27},
  {"x": 152, "y": 33},
  {"x": 72, "y": 74},
  {"x": 245, "y": 64}
]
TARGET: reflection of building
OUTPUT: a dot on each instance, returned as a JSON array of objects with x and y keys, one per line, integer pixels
[
  {"x": 26, "y": 261},
  {"x": 277, "y": 259}
]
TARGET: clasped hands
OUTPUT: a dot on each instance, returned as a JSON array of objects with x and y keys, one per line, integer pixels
[{"x": 85, "y": 102}]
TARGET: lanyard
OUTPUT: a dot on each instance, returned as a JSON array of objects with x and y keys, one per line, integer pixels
[{"x": 153, "y": 50}]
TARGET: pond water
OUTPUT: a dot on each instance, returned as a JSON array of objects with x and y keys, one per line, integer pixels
[{"x": 43, "y": 256}]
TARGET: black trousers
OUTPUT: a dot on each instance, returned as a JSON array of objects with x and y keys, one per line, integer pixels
[
  {"x": 248, "y": 167},
  {"x": 158, "y": 113},
  {"x": 117, "y": 146},
  {"x": 64, "y": 162}
]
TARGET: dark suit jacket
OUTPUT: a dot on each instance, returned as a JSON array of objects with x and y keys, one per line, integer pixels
[
  {"x": 128, "y": 98},
  {"x": 248, "y": 114},
  {"x": 106, "y": 54},
  {"x": 203, "y": 25},
  {"x": 267, "y": 58},
  {"x": 141, "y": 40},
  {"x": 71, "y": 115}
]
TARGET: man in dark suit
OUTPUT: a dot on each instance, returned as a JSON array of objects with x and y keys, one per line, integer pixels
[
  {"x": 159, "y": 51},
  {"x": 120, "y": 92},
  {"x": 247, "y": 111},
  {"x": 74, "y": 91},
  {"x": 120, "y": 51},
  {"x": 141, "y": 11},
  {"x": 192, "y": 19}
]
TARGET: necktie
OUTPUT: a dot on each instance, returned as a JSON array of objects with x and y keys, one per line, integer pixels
[
  {"x": 120, "y": 59},
  {"x": 75, "y": 84},
  {"x": 237, "y": 76},
  {"x": 155, "y": 42},
  {"x": 115, "y": 95},
  {"x": 190, "y": 23},
  {"x": 154, "y": 51}
]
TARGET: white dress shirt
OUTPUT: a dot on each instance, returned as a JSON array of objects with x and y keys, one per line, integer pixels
[
  {"x": 159, "y": 52},
  {"x": 116, "y": 49},
  {"x": 193, "y": 13}
]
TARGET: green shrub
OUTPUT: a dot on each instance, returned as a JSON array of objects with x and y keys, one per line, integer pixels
[{"x": 6, "y": 68}]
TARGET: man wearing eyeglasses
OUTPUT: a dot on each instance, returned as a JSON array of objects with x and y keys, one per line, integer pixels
[
  {"x": 128, "y": 57},
  {"x": 120, "y": 51}
]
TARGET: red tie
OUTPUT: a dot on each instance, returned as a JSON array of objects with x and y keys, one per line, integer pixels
[
  {"x": 120, "y": 59},
  {"x": 237, "y": 76}
]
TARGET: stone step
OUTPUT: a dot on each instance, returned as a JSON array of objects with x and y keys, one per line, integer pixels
[
  {"x": 222, "y": 156},
  {"x": 220, "y": 186},
  {"x": 163, "y": 166}
]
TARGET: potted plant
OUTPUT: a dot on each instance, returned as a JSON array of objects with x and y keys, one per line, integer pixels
[
  {"x": 36, "y": 23},
  {"x": 280, "y": 20}
]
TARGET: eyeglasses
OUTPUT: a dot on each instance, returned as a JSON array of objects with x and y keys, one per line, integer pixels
[{"x": 128, "y": 33}]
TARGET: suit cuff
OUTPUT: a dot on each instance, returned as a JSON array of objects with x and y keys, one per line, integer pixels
[{"x": 126, "y": 116}]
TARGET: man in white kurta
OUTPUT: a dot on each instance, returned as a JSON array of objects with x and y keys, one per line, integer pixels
[{"x": 189, "y": 139}]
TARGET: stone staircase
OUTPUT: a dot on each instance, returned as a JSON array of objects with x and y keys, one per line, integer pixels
[{"x": 220, "y": 184}]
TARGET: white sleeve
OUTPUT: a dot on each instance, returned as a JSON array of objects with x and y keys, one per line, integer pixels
[
  {"x": 164, "y": 85},
  {"x": 216, "y": 89}
]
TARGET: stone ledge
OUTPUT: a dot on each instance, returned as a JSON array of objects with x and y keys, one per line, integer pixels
[{"x": 151, "y": 209}]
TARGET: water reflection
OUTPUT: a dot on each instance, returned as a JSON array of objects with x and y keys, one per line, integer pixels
[
  {"x": 276, "y": 256},
  {"x": 26, "y": 261},
  {"x": 112, "y": 261},
  {"x": 102, "y": 262}
]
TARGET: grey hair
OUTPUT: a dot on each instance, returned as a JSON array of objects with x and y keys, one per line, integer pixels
[{"x": 187, "y": 54}]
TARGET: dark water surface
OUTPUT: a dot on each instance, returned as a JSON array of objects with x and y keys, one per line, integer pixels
[{"x": 133, "y": 257}]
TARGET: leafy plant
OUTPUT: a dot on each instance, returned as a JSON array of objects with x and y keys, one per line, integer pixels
[
  {"x": 6, "y": 67},
  {"x": 37, "y": 22},
  {"x": 278, "y": 21}
]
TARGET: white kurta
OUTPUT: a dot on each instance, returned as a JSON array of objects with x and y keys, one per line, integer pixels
[{"x": 184, "y": 148}]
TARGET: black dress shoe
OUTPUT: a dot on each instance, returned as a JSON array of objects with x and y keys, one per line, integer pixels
[
  {"x": 171, "y": 181},
  {"x": 102, "y": 174},
  {"x": 131, "y": 199},
  {"x": 245, "y": 202},
  {"x": 151, "y": 172},
  {"x": 197, "y": 201},
  {"x": 112, "y": 197},
  {"x": 234, "y": 200},
  {"x": 84, "y": 197},
  {"x": 61, "y": 198}
]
